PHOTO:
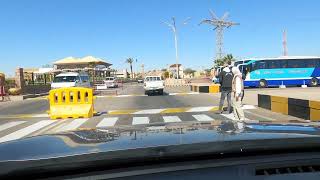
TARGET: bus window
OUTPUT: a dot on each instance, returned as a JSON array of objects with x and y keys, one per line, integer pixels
[
  {"x": 274, "y": 64},
  {"x": 311, "y": 63},
  {"x": 283, "y": 63},
  {"x": 296, "y": 63},
  {"x": 259, "y": 65}
]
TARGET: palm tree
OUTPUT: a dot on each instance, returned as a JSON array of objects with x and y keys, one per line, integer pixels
[
  {"x": 130, "y": 61},
  {"x": 225, "y": 60},
  {"x": 228, "y": 58}
]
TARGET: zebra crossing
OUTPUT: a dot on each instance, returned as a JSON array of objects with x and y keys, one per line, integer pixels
[{"x": 12, "y": 130}]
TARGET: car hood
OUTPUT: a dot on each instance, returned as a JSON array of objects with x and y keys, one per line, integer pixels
[{"x": 137, "y": 137}]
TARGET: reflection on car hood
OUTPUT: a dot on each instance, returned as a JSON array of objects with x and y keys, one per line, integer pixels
[{"x": 126, "y": 138}]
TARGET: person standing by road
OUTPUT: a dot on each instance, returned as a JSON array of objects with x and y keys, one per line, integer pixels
[
  {"x": 2, "y": 91},
  {"x": 225, "y": 79},
  {"x": 237, "y": 89}
]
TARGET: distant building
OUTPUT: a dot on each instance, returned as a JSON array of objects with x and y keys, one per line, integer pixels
[
  {"x": 173, "y": 70},
  {"x": 121, "y": 73}
]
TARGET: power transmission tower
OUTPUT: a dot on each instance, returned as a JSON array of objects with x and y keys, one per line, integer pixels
[
  {"x": 285, "y": 48},
  {"x": 220, "y": 25}
]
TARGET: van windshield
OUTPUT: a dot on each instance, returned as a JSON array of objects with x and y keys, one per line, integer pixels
[{"x": 65, "y": 79}]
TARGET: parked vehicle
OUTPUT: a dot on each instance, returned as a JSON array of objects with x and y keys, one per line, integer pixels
[
  {"x": 140, "y": 80},
  {"x": 111, "y": 82},
  {"x": 71, "y": 79},
  {"x": 153, "y": 84},
  {"x": 287, "y": 70}
]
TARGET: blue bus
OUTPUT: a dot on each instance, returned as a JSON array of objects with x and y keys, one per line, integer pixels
[{"x": 286, "y": 70}]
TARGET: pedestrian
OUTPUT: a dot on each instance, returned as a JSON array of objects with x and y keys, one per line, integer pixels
[
  {"x": 225, "y": 79},
  {"x": 2, "y": 90},
  {"x": 237, "y": 88},
  {"x": 242, "y": 95}
]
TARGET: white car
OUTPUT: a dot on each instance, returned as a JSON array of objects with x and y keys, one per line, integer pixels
[
  {"x": 111, "y": 82},
  {"x": 70, "y": 79},
  {"x": 153, "y": 84}
]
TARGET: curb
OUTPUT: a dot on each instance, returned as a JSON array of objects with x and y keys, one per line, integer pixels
[{"x": 300, "y": 108}]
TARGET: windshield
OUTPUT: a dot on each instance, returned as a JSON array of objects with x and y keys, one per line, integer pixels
[
  {"x": 65, "y": 79},
  {"x": 101, "y": 73}
]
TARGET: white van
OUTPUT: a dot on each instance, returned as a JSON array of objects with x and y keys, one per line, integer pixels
[
  {"x": 111, "y": 82},
  {"x": 71, "y": 79}
]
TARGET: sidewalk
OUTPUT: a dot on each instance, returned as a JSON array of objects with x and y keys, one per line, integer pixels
[{"x": 21, "y": 98}]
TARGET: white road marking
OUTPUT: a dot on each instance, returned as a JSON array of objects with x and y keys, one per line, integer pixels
[
  {"x": 140, "y": 120},
  {"x": 202, "y": 117},
  {"x": 108, "y": 122},
  {"x": 150, "y": 111},
  {"x": 170, "y": 119},
  {"x": 229, "y": 116},
  {"x": 244, "y": 107},
  {"x": 10, "y": 125},
  {"x": 40, "y": 115},
  {"x": 258, "y": 115},
  {"x": 173, "y": 94},
  {"x": 73, "y": 125},
  {"x": 124, "y": 95},
  {"x": 200, "y": 109},
  {"x": 26, "y": 131}
]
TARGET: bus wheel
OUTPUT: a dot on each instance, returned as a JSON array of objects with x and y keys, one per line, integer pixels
[
  {"x": 314, "y": 82},
  {"x": 263, "y": 83}
]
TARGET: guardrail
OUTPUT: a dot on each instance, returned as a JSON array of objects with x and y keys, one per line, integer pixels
[{"x": 301, "y": 108}]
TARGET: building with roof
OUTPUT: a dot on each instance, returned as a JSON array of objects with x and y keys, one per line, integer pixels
[
  {"x": 173, "y": 70},
  {"x": 72, "y": 63},
  {"x": 97, "y": 68}
]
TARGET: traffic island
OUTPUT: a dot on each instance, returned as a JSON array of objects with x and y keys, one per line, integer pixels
[
  {"x": 301, "y": 108},
  {"x": 205, "y": 88}
]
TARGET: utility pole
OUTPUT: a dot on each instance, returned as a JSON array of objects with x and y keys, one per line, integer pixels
[
  {"x": 142, "y": 70},
  {"x": 174, "y": 29},
  {"x": 219, "y": 25},
  {"x": 285, "y": 48}
]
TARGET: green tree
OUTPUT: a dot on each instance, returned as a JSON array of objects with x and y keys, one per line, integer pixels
[
  {"x": 166, "y": 74},
  {"x": 207, "y": 71},
  {"x": 92, "y": 65},
  {"x": 130, "y": 61},
  {"x": 225, "y": 60},
  {"x": 189, "y": 71}
]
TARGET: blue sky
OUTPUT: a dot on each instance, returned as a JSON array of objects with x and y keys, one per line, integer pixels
[{"x": 37, "y": 32}]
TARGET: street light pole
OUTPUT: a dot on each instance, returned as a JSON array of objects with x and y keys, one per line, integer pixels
[{"x": 174, "y": 29}]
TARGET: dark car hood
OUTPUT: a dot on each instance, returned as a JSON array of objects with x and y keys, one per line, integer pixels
[{"x": 127, "y": 138}]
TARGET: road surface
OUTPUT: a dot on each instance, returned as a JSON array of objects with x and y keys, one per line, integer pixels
[{"x": 129, "y": 108}]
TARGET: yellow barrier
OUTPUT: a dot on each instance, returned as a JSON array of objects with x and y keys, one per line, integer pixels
[
  {"x": 214, "y": 88},
  {"x": 279, "y": 104},
  {"x": 72, "y": 102},
  {"x": 314, "y": 110}
]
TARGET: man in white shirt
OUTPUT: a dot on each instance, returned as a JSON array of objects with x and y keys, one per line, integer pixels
[{"x": 237, "y": 88}]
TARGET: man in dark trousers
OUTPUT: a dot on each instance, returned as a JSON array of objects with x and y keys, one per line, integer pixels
[{"x": 225, "y": 79}]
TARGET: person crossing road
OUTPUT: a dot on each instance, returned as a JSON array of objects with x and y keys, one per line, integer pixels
[{"x": 225, "y": 78}]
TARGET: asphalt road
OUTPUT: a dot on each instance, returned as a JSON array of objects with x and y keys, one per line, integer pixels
[{"x": 129, "y": 108}]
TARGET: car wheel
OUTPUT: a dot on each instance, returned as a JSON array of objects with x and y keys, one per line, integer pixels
[
  {"x": 263, "y": 83},
  {"x": 314, "y": 82},
  {"x": 161, "y": 92}
]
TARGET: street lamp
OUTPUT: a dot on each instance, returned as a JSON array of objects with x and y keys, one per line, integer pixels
[{"x": 174, "y": 29}]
